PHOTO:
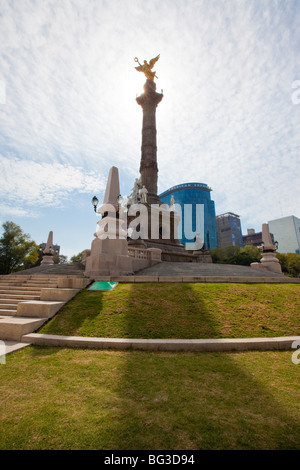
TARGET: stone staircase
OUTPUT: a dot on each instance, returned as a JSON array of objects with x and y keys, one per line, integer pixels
[
  {"x": 27, "y": 301},
  {"x": 207, "y": 270},
  {"x": 73, "y": 269},
  {"x": 15, "y": 289}
]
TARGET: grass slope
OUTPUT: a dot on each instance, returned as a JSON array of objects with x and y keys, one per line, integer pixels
[
  {"x": 79, "y": 399},
  {"x": 182, "y": 311}
]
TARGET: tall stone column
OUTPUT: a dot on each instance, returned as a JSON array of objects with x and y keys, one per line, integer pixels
[{"x": 148, "y": 166}]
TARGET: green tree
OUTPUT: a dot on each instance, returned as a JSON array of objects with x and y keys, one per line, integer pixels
[
  {"x": 60, "y": 259},
  {"x": 17, "y": 250},
  {"x": 76, "y": 258},
  {"x": 235, "y": 255},
  {"x": 290, "y": 263}
]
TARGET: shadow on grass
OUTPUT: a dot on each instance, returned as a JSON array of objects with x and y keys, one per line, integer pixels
[
  {"x": 173, "y": 401},
  {"x": 201, "y": 400},
  {"x": 74, "y": 317}
]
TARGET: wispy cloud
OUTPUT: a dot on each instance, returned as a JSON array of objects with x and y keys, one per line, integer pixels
[
  {"x": 227, "y": 118},
  {"x": 41, "y": 184}
]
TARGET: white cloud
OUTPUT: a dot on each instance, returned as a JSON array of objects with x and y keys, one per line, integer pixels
[
  {"x": 13, "y": 211},
  {"x": 226, "y": 119},
  {"x": 42, "y": 184}
]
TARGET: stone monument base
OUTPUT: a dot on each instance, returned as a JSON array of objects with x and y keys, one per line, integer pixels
[
  {"x": 269, "y": 262},
  {"x": 163, "y": 220},
  {"x": 172, "y": 251},
  {"x": 47, "y": 259},
  {"x": 108, "y": 258}
]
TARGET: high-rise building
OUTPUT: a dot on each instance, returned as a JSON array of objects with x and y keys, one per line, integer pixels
[
  {"x": 286, "y": 231},
  {"x": 254, "y": 238},
  {"x": 229, "y": 230},
  {"x": 188, "y": 196}
]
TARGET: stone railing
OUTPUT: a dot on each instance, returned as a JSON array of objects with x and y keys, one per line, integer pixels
[
  {"x": 138, "y": 253},
  {"x": 144, "y": 257}
]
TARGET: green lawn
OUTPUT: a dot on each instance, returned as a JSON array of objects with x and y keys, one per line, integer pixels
[
  {"x": 55, "y": 398},
  {"x": 182, "y": 311}
]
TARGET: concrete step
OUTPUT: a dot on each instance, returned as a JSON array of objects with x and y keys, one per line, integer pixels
[
  {"x": 8, "y": 306},
  {"x": 14, "y": 285},
  {"x": 9, "y": 283},
  {"x": 11, "y": 278},
  {"x": 22, "y": 308},
  {"x": 12, "y": 346},
  {"x": 20, "y": 279},
  {"x": 9, "y": 301},
  {"x": 204, "y": 269},
  {"x": 43, "y": 278},
  {"x": 19, "y": 297},
  {"x": 39, "y": 308},
  {"x": 54, "y": 270},
  {"x": 20, "y": 291},
  {"x": 13, "y": 328},
  {"x": 7, "y": 311},
  {"x": 38, "y": 284}
]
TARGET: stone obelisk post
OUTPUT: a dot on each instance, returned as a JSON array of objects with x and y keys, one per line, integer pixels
[
  {"x": 148, "y": 166},
  {"x": 269, "y": 260},
  {"x": 48, "y": 251},
  {"x": 109, "y": 250}
]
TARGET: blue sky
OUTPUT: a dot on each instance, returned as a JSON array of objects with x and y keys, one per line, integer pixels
[{"x": 68, "y": 111}]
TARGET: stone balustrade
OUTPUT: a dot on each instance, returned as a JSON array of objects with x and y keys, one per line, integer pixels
[{"x": 144, "y": 257}]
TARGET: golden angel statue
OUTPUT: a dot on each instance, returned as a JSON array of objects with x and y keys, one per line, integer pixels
[{"x": 146, "y": 68}]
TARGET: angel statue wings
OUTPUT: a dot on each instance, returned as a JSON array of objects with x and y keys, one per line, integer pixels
[{"x": 147, "y": 68}]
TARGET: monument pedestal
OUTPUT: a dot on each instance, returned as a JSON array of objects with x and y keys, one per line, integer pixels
[
  {"x": 163, "y": 222},
  {"x": 269, "y": 260},
  {"x": 160, "y": 231},
  {"x": 109, "y": 250},
  {"x": 108, "y": 258},
  {"x": 48, "y": 252}
]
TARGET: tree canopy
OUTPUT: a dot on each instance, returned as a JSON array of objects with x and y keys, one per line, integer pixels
[
  {"x": 236, "y": 255},
  {"x": 17, "y": 250},
  {"x": 76, "y": 258}
]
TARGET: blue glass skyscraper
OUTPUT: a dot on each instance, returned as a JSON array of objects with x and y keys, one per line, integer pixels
[{"x": 188, "y": 196}]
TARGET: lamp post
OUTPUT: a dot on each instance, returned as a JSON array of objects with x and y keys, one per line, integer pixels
[{"x": 95, "y": 203}]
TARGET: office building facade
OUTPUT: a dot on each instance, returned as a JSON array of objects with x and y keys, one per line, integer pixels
[
  {"x": 254, "y": 238},
  {"x": 198, "y": 215},
  {"x": 286, "y": 231},
  {"x": 229, "y": 230}
]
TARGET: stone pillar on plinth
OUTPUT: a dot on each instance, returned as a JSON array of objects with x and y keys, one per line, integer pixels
[
  {"x": 109, "y": 250},
  {"x": 160, "y": 219},
  {"x": 269, "y": 260},
  {"x": 149, "y": 101},
  {"x": 48, "y": 251}
]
